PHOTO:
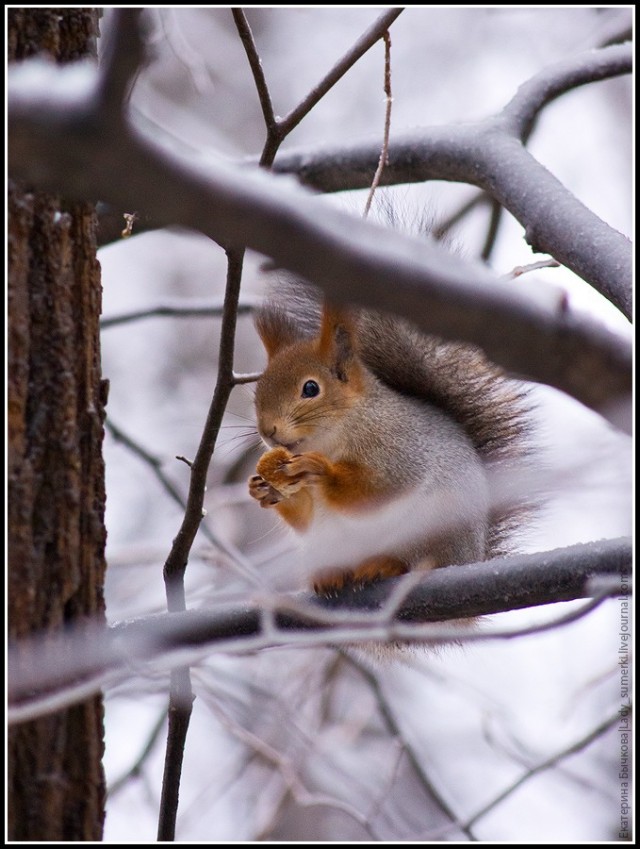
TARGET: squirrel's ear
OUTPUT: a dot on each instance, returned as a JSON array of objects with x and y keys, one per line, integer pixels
[
  {"x": 276, "y": 329},
  {"x": 337, "y": 343}
]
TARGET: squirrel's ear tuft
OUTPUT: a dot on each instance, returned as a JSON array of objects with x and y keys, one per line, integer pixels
[
  {"x": 276, "y": 328},
  {"x": 337, "y": 343}
]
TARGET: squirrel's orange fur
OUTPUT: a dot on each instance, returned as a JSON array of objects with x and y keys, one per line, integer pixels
[{"x": 380, "y": 442}]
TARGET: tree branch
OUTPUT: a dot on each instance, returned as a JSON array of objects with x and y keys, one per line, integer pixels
[
  {"x": 546, "y": 764},
  {"x": 490, "y": 154},
  {"x": 479, "y": 154},
  {"x": 384, "y": 153},
  {"x": 246, "y": 37},
  {"x": 364, "y": 43},
  {"x": 393, "y": 726},
  {"x": 179, "y": 309},
  {"x": 121, "y": 60},
  {"x": 389, "y": 611},
  {"x": 376, "y": 267},
  {"x": 592, "y": 66}
]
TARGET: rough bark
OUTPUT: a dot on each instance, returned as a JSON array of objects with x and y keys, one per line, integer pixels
[{"x": 56, "y": 475}]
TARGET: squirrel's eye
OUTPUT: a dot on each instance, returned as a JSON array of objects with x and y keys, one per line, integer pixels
[{"x": 310, "y": 389}]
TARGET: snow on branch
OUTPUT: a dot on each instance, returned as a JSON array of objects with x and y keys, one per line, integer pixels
[
  {"x": 46, "y": 674},
  {"x": 83, "y": 150},
  {"x": 490, "y": 154}
]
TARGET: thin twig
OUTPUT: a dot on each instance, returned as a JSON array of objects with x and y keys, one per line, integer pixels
[
  {"x": 177, "y": 310},
  {"x": 249, "y": 377},
  {"x": 548, "y": 763},
  {"x": 176, "y": 561},
  {"x": 147, "y": 457},
  {"x": 447, "y": 224},
  {"x": 156, "y": 464},
  {"x": 384, "y": 153},
  {"x": 181, "y": 695},
  {"x": 248, "y": 42},
  {"x": 495, "y": 218},
  {"x": 188, "y": 56},
  {"x": 519, "y": 270},
  {"x": 394, "y": 728},
  {"x": 285, "y": 767},
  {"x": 364, "y": 43},
  {"x": 136, "y": 767}
]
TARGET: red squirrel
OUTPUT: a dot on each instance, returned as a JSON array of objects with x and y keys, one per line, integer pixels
[{"x": 382, "y": 441}]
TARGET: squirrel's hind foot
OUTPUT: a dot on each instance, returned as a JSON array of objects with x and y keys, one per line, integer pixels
[{"x": 332, "y": 581}]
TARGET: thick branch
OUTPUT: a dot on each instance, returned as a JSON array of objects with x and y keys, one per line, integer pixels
[
  {"x": 489, "y": 154},
  {"x": 388, "y": 610},
  {"x": 344, "y": 255},
  {"x": 484, "y": 155},
  {"x": 121, "y": 60}
]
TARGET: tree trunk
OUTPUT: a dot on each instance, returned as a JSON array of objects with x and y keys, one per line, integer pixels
[{"x": 56, "y": 472}]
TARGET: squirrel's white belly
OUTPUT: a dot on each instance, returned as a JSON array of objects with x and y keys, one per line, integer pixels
[{"x": 400, "y": 527}]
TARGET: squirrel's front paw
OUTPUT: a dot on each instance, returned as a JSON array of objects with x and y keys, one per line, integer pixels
[
  {"x": 287, "y": 473},
  {"x": 263, "y": 492}
]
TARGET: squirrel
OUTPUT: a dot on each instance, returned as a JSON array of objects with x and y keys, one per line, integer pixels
[{"x": 388, "y": 449}]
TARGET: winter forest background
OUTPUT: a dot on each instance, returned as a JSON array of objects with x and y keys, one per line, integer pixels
[{"x": 512, "y": 739}]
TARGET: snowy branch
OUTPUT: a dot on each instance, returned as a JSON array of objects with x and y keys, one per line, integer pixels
[
  {"x": 490, "y": 154},
  {"x": 69, "y": 144},
  {"x": 396, "y": 610}
]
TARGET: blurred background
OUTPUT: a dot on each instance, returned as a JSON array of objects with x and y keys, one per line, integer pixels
[{"x": 312, "y": 744}]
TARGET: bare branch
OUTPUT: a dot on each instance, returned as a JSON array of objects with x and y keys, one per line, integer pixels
[
  {"x": 364, "y": 43},
  {"x": 246, "y": 37},
  {"x": 179, "y": 554},
  {"x": 187, "y": 636},
  {"x": 492, "y": 231},
  {"x": 179, "y": 309},
  {"x": 393, "y": 727},
  {"x": 287, "y": 770},
  {"x": 181, "y": 695},
  {"x": 180, "y": 705},
  {"x": 477, "y": 153},
  {"x": 278, "y": 130},
  {"x": 156, "y": 464},
  {"x": 592, "y": 66},
  {"x": 384, "y": 153},
  {"x": 136, "y": 767},
  {"x": 519, "y": 270},
  {"x": 65, "y": 669},
  {"x": 121, "y": 61},
  {"x": 440, "y": 293},
  {"x": 546, "y": 764},
  {"x": 250, "y": 377},
  {"x": 147, "y": 457},
  {"x": 447, "y": 224}
]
